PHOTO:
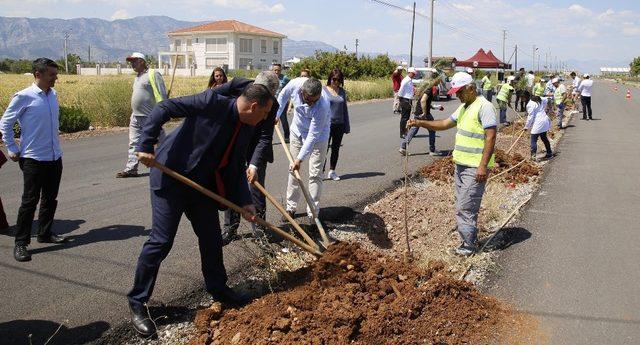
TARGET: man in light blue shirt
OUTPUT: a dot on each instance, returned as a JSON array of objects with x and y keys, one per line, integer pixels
[
  {"x": 309, "y": 138},
  {"x": 36, "y": 110}
]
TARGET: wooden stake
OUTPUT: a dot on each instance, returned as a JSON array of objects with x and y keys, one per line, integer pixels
[
  {"x": 305, "y": 192},
  {"x": 234, "y": 207},
  {"x": 173, "y": 75},
  {"x": 406, "y": 185},
  {"x": 514, "y": 143},
  {"x": 279, "y": 207}
]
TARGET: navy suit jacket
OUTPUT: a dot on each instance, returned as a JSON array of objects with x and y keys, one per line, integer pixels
[
  {"x": 209, "y": 121},
  {"x": 260, "y": 150}
]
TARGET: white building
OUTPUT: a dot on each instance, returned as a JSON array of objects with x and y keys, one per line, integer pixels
[{"x": 225, "y": 43}]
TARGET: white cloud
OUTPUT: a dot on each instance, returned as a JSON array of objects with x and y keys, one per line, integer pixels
[
  {"x": 464, "y": 7},
  {"x": 251, "y": 5},
  {"x": 295, "y": 30},
  {"x": 630, "y": 29},
  {"x": 120, "y": 14},
  {"x": 577, "y": 9}
]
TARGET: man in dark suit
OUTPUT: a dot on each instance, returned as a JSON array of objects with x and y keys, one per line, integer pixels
[
  {"x": 209, "y": 147},
  {"x": 259, "y": 152}
]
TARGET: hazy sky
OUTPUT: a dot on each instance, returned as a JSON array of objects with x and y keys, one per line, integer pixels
[{"x": 607, "y": 30}]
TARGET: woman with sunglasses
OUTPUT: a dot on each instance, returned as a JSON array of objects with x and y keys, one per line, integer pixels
[
  {"x": 217, "y": 78},
  {"x": 339, "y": 118}
]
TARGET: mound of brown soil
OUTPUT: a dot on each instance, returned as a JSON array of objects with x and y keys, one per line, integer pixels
[
  {"x": 441, "y": 170},
  {"x": 354, "y": 296},
  {"x": 520, "y": 174}
]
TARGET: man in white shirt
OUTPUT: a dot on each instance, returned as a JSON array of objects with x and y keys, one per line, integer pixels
[
  {"x": 575, "y": 95},
  {"x": 585, "y": 97},
  {"x": 405, "y": 95},
  {"x": 531, "y": 78},
  {"x": 309, "y": 138},
  {"x": 39, "y": 154}
]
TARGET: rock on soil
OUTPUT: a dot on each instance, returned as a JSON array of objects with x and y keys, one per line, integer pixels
[{"x": 351, "y": 295}]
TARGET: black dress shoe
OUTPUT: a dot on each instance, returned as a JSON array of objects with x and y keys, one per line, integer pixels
[
  {"x": 20, "y": 253},
  {"x": 228, "y": 296},
  {"x": 141, "y": 321},
  {"x": 52, "y": 239}
]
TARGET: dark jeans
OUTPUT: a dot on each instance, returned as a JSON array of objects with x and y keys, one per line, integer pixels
[
  {"x": 285, "y": 122},
  {"x": 167, "y": 207},
  {"x": 405, "y": 113},
  {"x": 586, "y": 107},
  {"x": 414, "y": 130},
  {"x": 232, "y": 218},
  {"x": 41, "y": 182},
  {"x": 545, "y": 141},
  {"x": 335, "y": 140}
]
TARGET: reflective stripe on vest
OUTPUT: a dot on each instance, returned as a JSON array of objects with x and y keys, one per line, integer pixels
[
  {"x": 487, "y": 83},
  {"x": 152, "y": 81},
  {"x": 538, "y": 90},
  {"x": 470, "y": 136},
  {"x": 503, "y": 95}
]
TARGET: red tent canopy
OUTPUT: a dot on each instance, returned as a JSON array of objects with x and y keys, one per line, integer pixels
[{"x": 482, "y": 60}]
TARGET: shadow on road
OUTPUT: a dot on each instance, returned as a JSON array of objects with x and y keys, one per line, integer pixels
[
  {"x": 60, "y": 227},
  {"x": 21, "y": 332},
  {"x": 361, "y": 175},
  {"x": 506, "y": 238},
  {"x": 107, "y": 233}
]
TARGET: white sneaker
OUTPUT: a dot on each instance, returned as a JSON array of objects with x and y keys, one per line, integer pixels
[
  {"x": 402, "y": 151},
  {"x": 333, "y": 176}
]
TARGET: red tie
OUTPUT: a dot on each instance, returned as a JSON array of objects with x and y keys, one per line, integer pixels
[{"x": 225, "y": 161}]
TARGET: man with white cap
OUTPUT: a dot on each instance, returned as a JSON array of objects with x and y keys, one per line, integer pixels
[
  {"x": 504, "y": 98},
  {"x": 396, "y": 78},
  {"x": 148, "y": 89},
  {"x": 585, "y": 97},
  {"x": 560, "y": 98},
  {"x": 405, "y": 95},
  {"x": 473, "y": 154}
]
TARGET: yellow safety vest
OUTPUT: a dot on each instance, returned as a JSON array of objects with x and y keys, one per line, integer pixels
[
  {"x": 470, "y": 136},
  {"x": 538, "y": 90},
  {"x": 503, "y": 95},
  {"x": 486, "y": 83},
  {"x": 558, "y": 95},
  {"x": 152, "y": 81}
]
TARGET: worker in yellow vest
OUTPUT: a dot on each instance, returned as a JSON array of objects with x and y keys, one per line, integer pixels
[
  {"x": 504, "y": 99},
  {"x": 473, "y": 154},
  {"x": 148, "y": 89},
  {"x": 538, "y": 89},
  {"x": 487, "y": 87},
  {"x": 560, "y": 97}
]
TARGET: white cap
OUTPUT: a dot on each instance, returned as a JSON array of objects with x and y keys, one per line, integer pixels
[
  {"x": 554, "y": 80},
  {"x": 399, "y": 68},
  {"x": 469, "y": 70},
  {"x": 542, "y": 80},
  {"x": 411, "y": 70},
  {"x": 510, "y": 78},
  {"x": 586, "y": 75},
  {"x": 458, "y": 81},
  {"x": 135, "y": 55}
]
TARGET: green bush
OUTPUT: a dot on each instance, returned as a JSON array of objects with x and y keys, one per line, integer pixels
[
  {"x": 72, "y": 119},
  {"x": 353, "y": 68}
]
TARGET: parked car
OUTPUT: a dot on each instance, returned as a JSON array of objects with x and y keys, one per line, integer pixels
[{"x": 423, "y": 73}]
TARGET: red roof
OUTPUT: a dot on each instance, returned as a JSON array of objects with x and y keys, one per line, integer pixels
[
  {"x": 227, "y": 26},
  {"x": 482, "y": 60}
]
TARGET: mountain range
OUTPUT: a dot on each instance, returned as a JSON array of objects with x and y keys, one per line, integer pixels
[{"x": 27, "y": 38}]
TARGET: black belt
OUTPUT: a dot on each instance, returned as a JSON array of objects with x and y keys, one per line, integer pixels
[{"x": 408, "y": 99}]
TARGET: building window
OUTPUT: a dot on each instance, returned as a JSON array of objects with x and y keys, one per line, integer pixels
[
  {"x": 216, "y": 45},
  {"x": 211, "y": 63},
  {"x": 246, "y": 45},
  {"x": 177, "y": 44},
  {"x": 189, "y": 46},
  {"x": 276, "y": 47},
  {"x": 263, "y": 46},
  {"x": 245, "y": 62}
]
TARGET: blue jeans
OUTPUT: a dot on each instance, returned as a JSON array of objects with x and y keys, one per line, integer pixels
[
  {"x": 414, "y": 130},
  {"x": 503, "y": 111},
  {"x": 560, "y": 114}
]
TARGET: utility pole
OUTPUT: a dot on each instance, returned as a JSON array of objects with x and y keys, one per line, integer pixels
[
  {"x": 430, "y": 61},
  {"x": 89, "y": 55},
  {"x": 356, "y": 49},
  {"x": 516, "y": 57},
  {"x": 413, "y": 26},
  {"x": 504, "y": 39},
  {"x": 533, "y": 64},
  {"x": 66, "y": 54}
]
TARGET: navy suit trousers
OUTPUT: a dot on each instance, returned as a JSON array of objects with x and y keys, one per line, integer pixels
[{"x": 168, "y": 205}]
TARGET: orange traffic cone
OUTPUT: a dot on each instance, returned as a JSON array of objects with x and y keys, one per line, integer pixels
[{"x": 628, "y": 96}]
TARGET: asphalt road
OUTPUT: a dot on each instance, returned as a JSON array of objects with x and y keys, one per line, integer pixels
[
  {"x": 578, "y": 271},
  {"x": 83, "y": 283}
]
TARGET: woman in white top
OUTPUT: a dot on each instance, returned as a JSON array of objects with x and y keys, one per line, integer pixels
[{"x": 539, "y": 123}]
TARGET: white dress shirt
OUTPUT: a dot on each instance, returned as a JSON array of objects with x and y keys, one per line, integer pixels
[
  {"x": 311, "y": 124},
  {"x": 37, "y": 112},
  {"x": 585, "y": 87},
  {"x": 406, "y": 88},
  {"x": 538, "y": 120}
]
